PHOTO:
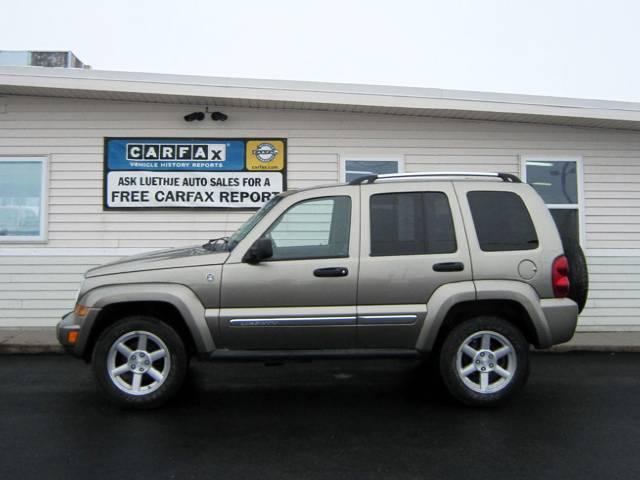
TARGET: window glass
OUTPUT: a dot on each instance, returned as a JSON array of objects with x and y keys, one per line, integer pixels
[
  {"x": 246, "y": 227},
  {"x": 317, "y": 228},
  {"x": 21, "y": 198},
  {"x": 502, "y": 221},
  {"x": 411, "y": 223},
  {"x": 556, "y": 182},
  {"x": 359, "y": 168}
]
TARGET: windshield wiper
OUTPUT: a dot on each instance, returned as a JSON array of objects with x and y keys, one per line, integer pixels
[{"x": 211, "y": 244}]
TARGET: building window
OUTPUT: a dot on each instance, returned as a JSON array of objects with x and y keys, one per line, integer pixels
[
  {"x": 559, "y": 183},
  {"x": 354, "y": 167},
  {"x": 23, "y": 193}
]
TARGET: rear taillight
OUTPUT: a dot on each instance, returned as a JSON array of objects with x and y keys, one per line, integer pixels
[{"x": 560, "y": 277}]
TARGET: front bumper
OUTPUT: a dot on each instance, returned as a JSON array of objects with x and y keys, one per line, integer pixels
[{"x": 72, "y": 322}]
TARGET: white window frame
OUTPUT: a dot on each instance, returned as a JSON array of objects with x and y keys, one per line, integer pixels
[
  {"x": 524, "y": 159},
  {"x": 44, "y": 200},
  {"x": 399, "y": 159}
]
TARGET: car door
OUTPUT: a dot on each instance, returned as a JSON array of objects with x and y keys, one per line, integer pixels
[
  {"x": 304, "y": 297},
  {"x": 412, "y": 242}
]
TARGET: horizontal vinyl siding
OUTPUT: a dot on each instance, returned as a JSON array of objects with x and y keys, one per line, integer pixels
[
  {"x": 614, "y": 293},
  {"x": 612, "y": 199},
  {"x": 36, "y": 290}
]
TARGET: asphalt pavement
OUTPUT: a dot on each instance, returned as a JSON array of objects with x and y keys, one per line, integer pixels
[{"x": 578, "y": 418}]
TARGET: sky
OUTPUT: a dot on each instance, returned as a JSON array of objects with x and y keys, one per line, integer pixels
[{"x": 567, "y": 48}]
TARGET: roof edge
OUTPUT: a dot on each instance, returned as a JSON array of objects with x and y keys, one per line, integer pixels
[{"x": 406, "y": 98}]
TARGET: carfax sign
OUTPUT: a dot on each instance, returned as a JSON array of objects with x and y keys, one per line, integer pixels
[{"x": 192, "y": 173}]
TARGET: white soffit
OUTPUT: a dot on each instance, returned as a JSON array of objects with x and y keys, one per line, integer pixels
[{"x": 280, "y": 94}]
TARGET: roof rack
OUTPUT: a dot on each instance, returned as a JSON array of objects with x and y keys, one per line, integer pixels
[{"x": 506, "y": 177}]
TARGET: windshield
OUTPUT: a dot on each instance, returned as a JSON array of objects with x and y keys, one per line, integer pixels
[{"x": 244, "y": 230}]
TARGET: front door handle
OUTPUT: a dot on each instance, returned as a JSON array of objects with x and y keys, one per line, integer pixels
[
  {"x": 448, "y": 267},
  {"x": 331, "y": 272}
]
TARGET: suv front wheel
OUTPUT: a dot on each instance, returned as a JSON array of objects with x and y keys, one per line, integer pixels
[
  {"x": 484, "y": 360},
  {"x": 140, "y": 362}
]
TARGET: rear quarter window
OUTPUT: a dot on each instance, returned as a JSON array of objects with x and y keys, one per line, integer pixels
[{"x": 502, "y": 221}]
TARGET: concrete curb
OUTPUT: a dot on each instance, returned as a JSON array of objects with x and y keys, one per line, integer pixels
[
  {"x": 33, "y": 340},
  {"x": 30, "y": 349},
  {"x": 600, "y": 342},
  {"x": 592, "y": 349}
]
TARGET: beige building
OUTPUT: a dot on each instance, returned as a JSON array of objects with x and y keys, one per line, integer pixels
[{"x": 57, "y": 215}]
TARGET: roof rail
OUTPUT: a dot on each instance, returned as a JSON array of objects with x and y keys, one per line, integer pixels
[{"x": 505, "y": 177}]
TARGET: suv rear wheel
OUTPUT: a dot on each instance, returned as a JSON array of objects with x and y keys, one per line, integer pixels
[
  {"x": 484, "y": 360},
  {"x": 140, "y": 362}
]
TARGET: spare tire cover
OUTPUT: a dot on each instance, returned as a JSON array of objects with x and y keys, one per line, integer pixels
[{"x": 578, "y": 274}]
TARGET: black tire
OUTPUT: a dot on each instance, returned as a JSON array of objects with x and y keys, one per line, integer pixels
[
  {"x": 578, "y": 274},
  {"x": 174, "y": 364},
  {"x": 498, "y": 389}
]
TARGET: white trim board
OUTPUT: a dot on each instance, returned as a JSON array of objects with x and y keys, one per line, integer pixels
[{"x": 73, "y": 252}]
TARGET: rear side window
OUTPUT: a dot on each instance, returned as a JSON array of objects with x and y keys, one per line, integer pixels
[
  {"x": 411, "y": 223},
  {"x": 502, "y": 221}
]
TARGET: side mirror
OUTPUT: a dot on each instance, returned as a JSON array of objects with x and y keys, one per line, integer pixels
[{"x": 261, "y": 250}]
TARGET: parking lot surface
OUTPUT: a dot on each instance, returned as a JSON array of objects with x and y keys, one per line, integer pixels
[{"x": 579, "y": 417}]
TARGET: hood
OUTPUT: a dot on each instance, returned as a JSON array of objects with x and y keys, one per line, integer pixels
[{"x": 172, "y": 258}]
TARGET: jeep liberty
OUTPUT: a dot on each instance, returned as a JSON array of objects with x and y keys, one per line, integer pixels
[{"x": 467, "y": 267}]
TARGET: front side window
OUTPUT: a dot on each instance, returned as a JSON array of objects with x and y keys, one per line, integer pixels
[
  {"x": 556, "y": 181},
  {"x": 411, "y": 223},
  {"x": 22, "y": 198},
  {"x": 247, "y": 226},
  {"x": 360, "y": 167},
  {"x": 316, "y": 228},
  {"x": 502, "y": 221}
]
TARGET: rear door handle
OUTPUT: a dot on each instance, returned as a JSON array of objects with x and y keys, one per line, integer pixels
[
  {"x": 331, "y": 272},
  {"x": 448, "y": 267}
]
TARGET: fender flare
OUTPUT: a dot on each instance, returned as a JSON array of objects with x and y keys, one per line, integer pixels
[
  {"x": 438, "y": 306},
  {"x": 449, "y": 295},
  {"x": 523, "y": 294},
  {"x": 179, "y": 296}
]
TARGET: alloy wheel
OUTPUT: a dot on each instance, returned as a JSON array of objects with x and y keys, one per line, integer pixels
[
  {"x": 138, "y": 363},
  {"x": 486, "y": 362}
]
